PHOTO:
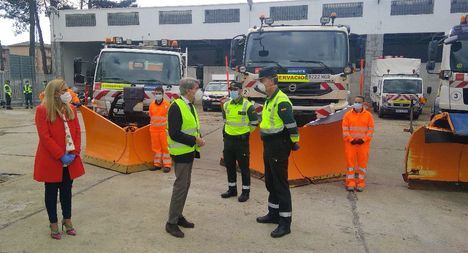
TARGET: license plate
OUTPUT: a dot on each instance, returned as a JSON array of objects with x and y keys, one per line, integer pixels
[
  {"x": 401, "y": 111},
  {"x": 215, "y": 103},
  {"x": 318, "y": 77}
]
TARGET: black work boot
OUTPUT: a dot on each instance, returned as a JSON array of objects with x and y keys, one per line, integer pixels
[
  {"x": 185, "y": 223},
  {"x": 269, "y": 218},
  {"x": 155, "y": 168},
  {"x": 284, "y": 228},
  {"x": 166, "y": 169},
  {"x": 244, "y": 196},
  {"x": 174, "y": 230},
  {"x": 232, "y": 192}
]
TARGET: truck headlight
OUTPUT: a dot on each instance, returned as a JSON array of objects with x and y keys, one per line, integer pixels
[{"x": 205, "y": 97}]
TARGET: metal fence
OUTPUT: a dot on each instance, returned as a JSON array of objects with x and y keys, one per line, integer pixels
[{"x": 16, "y": 84}]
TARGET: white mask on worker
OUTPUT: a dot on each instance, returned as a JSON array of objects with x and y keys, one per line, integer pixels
[
  {"x": 198, "y": 97},
  {"x": 261, "y": 87},
  {"x": 158, "y": 97},
  {"x": 66, "y": 97},
  {"x": 357, "y": 106}
]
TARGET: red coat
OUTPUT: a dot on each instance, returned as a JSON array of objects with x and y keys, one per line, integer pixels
[{"x": 47, "y": 164}]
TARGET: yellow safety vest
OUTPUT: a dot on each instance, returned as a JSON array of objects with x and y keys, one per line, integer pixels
[
  {"x": 7, "y": 89},
  {"x": 27, "y": 89},
  {"x": 271, "y": 121},
  {"x": 237, "y": 120},
  {"x": 190, "y": 126}
]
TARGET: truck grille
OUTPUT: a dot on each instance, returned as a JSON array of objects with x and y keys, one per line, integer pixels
[
  {"x": 465, "y": 96},
  {"x": 312, "y": 102},
  {"x": 215, "y": 96},
  {"x": 303, "y": 89}
]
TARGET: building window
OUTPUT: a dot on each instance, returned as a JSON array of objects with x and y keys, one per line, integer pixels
[
  {"x": 175, "y": 17},
  {"x": 412, "y": 7},
  {"x": 123, "y": 18},
  {"x": 297, "y": 12},
  {"x": 222, "y": 16},
  {"x": 343, "y": 10},
  {"x": 459, "y": 6},
  {"x": 73, "y": 20}
]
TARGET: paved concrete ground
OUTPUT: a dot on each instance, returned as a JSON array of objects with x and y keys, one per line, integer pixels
[{"x": 126, "y": 213}]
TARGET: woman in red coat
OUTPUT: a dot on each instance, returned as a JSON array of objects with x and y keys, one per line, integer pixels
[{"x": 58, "y": 161}]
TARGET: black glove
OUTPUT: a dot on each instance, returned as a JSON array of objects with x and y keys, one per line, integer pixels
[
  {"x": 354, "y": 142},
  {"x": 77, "y": 104},
  {"x": 295, "y": 146},
  {"x": 359, "y": 141}
]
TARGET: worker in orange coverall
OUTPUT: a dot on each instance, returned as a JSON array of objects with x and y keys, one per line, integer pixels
[
  {"x": 358, "y": 127},
  {"x": 158, "y": 114}
]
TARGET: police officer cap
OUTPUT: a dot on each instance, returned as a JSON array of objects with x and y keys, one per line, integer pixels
[
  {"x": 268, "y": 72},
  {"x": 235, "y": 85}
]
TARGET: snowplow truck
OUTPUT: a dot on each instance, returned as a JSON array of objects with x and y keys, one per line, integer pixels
[
  {"x": 439, "y": 151},
  {"x": 313, "y": 65},
  {"x": 125, "y": 75}
]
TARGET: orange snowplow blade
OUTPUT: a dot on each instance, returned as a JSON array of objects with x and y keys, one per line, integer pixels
[
  {"x": 437, "y": 160},
  {"x": 110, "y": 146},
  {"x": 320, "y": 157}
]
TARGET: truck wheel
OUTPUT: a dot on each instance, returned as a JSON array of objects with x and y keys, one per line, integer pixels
[
  {"x": 205, "y": 108},
  {"x": 381, "y": 114},
  {"x": 374, "y": 106},
  {"x": 416, "y": 116}
]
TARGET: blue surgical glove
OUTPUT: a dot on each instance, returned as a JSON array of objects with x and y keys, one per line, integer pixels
[{"x": 67, "y": 159}]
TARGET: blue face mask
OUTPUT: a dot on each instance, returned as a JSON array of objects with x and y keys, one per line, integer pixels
[
  {"x": 233, "y": 94},
  {"x": 357, "y": 106}
]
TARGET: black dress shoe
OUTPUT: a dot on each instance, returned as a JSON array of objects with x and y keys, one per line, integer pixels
[
  {"x": 166, "y": 169},
  {"x": 232, "y": 192},
  {"x": 243, "y": 197},
  {"x": 174, "y": 230},
  {"x": 155, "y": 168},
  {"x": 268, "y": 219},
  {"x": 185, "y": 223},
  {"x": 281, "y": 230}
]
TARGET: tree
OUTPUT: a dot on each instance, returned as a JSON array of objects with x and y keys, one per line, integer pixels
[
  {"x": 25, "y": 13},
  {"x": 111, "y": 4}
]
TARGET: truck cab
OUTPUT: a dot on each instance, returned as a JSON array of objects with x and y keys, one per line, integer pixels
[
  {"x": 141, "y": 65},
  {"x": 452, "y": 95},
  {"x": 313, "y": 64},
  {"x": 395, "y": 85},
  {"x": 395, "y": 93}
]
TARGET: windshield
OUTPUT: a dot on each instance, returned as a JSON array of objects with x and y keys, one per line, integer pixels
[
  {"x": 402, "y": 86},
  {"x": 298, "y": 48},
  {"x": 459, "y": 56},
  {"x": 133, "y": 67},
  {"x": 216, "y": 87}
]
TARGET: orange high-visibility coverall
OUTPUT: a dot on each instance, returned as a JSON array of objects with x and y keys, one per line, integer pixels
[
  {"x": 158, "y": 115},
  {"x": 357, "y": 125}
]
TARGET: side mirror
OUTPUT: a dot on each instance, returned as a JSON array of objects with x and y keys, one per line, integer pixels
[
  {"x": 263, "y": 53},
  {"x": 430, "y": 66},
  {"x": 79, "y": 78},
  {"x": 429, "y": 90},
  {"x": 199, "y": 74},
  {"x": 77, "y": 62},
  {"x": 374, "y": 89},
  {"x": 237, "y": 50}
]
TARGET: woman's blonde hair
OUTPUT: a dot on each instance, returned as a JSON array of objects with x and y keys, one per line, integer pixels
[{"x": 53, "y": 104}]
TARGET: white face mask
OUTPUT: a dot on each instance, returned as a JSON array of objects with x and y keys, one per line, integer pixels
[
  {"x": 158, "y": 97},
  {"x": 198, "y": 97},
  {"x": 261, "y": 87},
  {"x": 66, "y": 97}
]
